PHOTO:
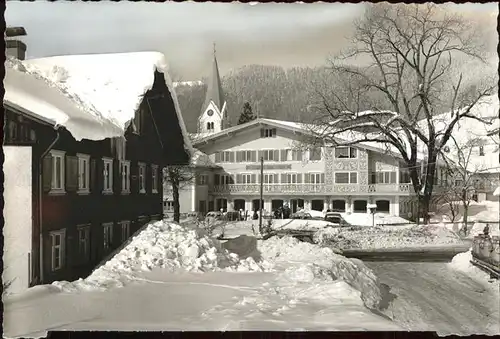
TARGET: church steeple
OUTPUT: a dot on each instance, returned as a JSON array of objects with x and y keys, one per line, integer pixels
[{"x": 213, "y": 111}]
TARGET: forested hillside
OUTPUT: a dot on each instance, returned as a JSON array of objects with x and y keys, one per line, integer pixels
[{"x": 272, "y": 91}]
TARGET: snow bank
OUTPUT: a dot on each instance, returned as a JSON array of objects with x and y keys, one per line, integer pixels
[
  {"x": 309, "y": 263},
  {"x": 163, "y": 245},
  {"x": 385, "y": 237},
  {"x": 108, "y": 86},
  {"x": 462, "y": 262}
]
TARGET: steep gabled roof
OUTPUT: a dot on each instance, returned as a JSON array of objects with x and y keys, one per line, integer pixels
[{"x": 107, "y": 90}]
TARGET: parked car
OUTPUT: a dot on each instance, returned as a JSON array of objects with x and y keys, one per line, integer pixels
[
  {"x": 301, "y": 215},
  {"x": 335, "y": 218},
  {"x": 214, "y": 215}
]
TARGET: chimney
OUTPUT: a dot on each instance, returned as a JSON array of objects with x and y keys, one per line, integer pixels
[{"x": 14, "y": 47}]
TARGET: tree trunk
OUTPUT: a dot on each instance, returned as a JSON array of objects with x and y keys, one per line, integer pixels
[
  {"x": 424, "y": 201},
  {"x": 175, "y": 195},
  {"x": 464, "y": 223}
]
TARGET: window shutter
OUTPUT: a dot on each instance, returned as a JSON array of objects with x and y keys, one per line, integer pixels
[
  {"x": 322, "y": 178},
  {"x": 276, "y": 155},
  {"x": 134, "y": 177},
  {"x": 260, "y": 155},
  {"x": 254, "y": 156},
  {"x": 353, "y": 178},
  {"x": 47, "y": 173},
  {"x": 299, "y": 178},
  {"x": 306, "y": 178},
  {"x": 260, "y": 178},
  {"x": 275, "y": 178},
  {"x": 274, "y": 132},
  {"x": 253, "y": 178},
  {"x": 239, "y": 178},
  {"x": 238, "y": 156},
  {"x": 217, "y": 179},
  {"x": 117, "y": 176},
  {"x": 262, "y": 132},
  {"x": 231, "y": 156},
  {"x": 393, "y": 177},
  {"x": 217, "y": 157},
  {"x": 231, "y": 179},
  {"x": 283, "y": 155},
  {"x": 71, "y": 173},
  {"x": 299, "y": 155},
  {"x": 283, "y": 178}
]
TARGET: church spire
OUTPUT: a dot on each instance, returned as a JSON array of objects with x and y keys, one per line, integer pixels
[{"x": 214, "y": 87}]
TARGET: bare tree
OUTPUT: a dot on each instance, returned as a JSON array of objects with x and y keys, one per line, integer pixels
[
  {"x": 178, "y": 178},
  {"x": 409, "y": 57}
]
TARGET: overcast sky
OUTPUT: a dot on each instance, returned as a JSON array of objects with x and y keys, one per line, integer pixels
[{"x": 273, "y": 34}]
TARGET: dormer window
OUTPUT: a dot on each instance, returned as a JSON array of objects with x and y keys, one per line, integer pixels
[
  {"x": 481, "y": 151},
  {"x": 268, "y": 132}
]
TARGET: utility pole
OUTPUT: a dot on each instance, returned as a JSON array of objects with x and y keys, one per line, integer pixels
[{"x": 261, "y": 192}]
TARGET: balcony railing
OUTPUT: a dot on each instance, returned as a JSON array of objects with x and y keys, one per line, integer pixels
[{"x": 311, "y": 188}]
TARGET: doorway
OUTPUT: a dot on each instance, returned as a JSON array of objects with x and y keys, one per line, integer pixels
[
  {"x": 338, "y": 206},
  {"x": 296, "y": 205},
  {"x": 221, "y": 203},
  {"x": 276, "y": 203},
  {"x": 255, "y": 205},
  {"x": 239, "y": 204},
  {"x": 317, "y": 205},
  {"x": 383, "y": 206},
  {"x": 360, "y": 206}
]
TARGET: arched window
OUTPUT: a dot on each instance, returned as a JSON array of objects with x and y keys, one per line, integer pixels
[
  {"x": 212, "y": 125},
  {"x": 208, "y": 126}
]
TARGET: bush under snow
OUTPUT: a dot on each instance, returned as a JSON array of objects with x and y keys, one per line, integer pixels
[{"x": 385, "y": 237}]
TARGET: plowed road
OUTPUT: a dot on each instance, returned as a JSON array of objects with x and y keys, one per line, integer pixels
[{"x": 423, "y": 296}]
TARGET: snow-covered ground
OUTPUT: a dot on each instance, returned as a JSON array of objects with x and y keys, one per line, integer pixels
[{"x": 172, "y": 277}]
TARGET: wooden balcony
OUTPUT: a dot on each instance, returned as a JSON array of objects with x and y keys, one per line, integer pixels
[{"x": 301, "y": 189}]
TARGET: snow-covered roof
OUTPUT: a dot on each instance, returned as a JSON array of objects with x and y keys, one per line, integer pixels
[
  {"x": 108, "y": 88},
  {"x": 468, "y": 130},
  {"x": 496, "y": 193},
  {"x": 31, "y": 93}
]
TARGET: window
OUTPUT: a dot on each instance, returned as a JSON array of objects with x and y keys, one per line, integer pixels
[
  {"x": 346, "y": 178},
  {"x": 125, "y": 168},
  {"x": 57, "y": 171},
  {"x": 125, "y": 225},
  {"x": 169, "y": 206},
  {"x": 203, "y": 179},
  {"x": 84, "y": 242},
  {"x": 225, "y": 156},
  {"x": 316, "y": 178},
  {"x": 226, "y": 179},
  {"x": 83, "y": 173},
  {"x": 107, "y": 235},
  {"x": 154, "y": 178},
  {"x": 57, "y": 244},
  {"x": 142, "y": 177},
  {"x": 345, "y": 153},
  {"x": 108, "y": 176},
  {"x": 269, "y": 155},
  {"x": 444, "y": 177},
  {"x": 246, "y": 156},
  {"x": 268, "y": 132},
  {"x": 459, "y": 183},
  {"x": 270, "y": 178},
  {"x": 291, "y": 178},
  {"x": 384, "y": 177},
  {"x": 481, "y": 151},
  {"x": 404, "y": 177},
  {"x": 315, "y": 154},
  {"x": 244, "y": 178}
]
